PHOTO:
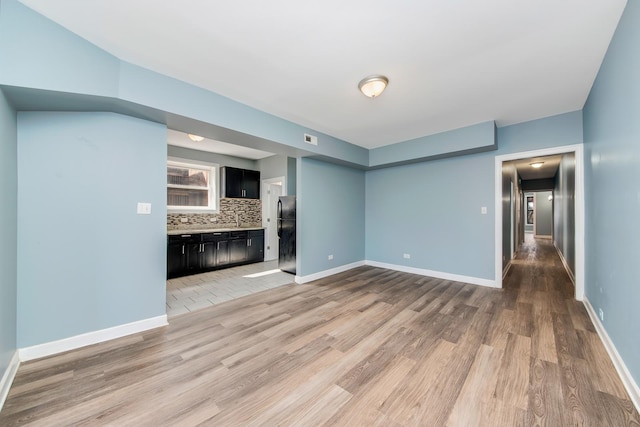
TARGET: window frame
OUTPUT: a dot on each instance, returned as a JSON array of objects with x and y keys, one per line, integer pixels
[{"x": 213, "y": 170}]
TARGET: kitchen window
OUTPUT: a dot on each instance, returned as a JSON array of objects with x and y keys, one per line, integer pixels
[{"x": 191, "y": 187}]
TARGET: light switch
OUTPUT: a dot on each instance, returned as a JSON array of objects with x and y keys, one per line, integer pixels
[
  {"x": 144, "y": 208},
  {"x": 483, "y": 210}
]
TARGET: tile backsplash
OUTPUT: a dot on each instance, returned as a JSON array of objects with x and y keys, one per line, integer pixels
[{"x": 249, "y": 212}]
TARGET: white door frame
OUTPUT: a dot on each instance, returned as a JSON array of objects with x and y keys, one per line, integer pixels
[
  {"x": 578, "y": 150},
  {"x": 265, "y": 209}
]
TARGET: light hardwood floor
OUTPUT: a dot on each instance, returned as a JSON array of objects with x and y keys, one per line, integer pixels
[{"x": 366, "y": 347}]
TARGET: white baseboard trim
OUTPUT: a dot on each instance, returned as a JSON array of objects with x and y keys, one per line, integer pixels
[
  {"x": 322, "y": 274},
  {"x": 437, "y": 274},
  {"x": 506, "y": 269},
  {"x": 566, "y": 265},
  {"x": 627, "y": 380},
  {"x": 7, "y": 378},
  {"x": 72, "y": 343}
]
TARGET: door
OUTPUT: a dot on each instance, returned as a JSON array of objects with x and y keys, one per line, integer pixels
[{"x": 272, "y": 189}]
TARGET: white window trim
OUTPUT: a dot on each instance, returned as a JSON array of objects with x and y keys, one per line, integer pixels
[{"x": 214, "y": 175}]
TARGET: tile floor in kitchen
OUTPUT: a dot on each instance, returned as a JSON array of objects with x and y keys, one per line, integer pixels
[{"x": 190, "y": 293}]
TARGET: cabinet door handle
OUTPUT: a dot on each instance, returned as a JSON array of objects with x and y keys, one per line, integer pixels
[
  {"x": 248, "y": 242},
  {"x": 183, "y": 249},
  {"x": 218, "y": 246}
]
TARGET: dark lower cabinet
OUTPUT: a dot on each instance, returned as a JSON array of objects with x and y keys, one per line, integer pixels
[
  {"x": 209, "y": 255},
  {"x": 237, "y": 247},
  {"x": 176, "y": 260},
  {"x": 197, "y": 253},
  {"x": 255, "y": 246},
  {"x": 183, "y": 254},
  {"x": 222, "y": 253}
]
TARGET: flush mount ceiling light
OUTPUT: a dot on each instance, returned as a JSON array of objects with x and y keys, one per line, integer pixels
[
  {"x": 195, "y": 138},
  {"x": 373, "y": 86},
  {"x": 536, "y": 165}
]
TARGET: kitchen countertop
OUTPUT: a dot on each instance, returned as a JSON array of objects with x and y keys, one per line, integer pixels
[{"x": 210, "y": 230}]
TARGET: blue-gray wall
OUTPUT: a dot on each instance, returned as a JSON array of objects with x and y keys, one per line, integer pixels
[
  {"x": 8, "y": 232},
  {"x": 432, "y": 212},
  {"x": 564, "y": 196},
  {"x": 612, "y": 180},
  {"x": 543, "y": 214},
  {"x": 292, "y": 170},
  {"x": 272, "y": 167},
  {"x": 330, "y": 216},
  {"x": 86, "y": 260}
]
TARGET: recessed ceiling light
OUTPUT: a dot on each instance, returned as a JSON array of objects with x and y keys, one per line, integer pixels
[
  {"x": 373, "y": 86},
  {"x": 195, "y": 138},
  {"x": 536, "y": 165}
]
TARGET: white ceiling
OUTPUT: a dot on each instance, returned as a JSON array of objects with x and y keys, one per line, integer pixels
[
  {"x": 548, "y": 169},
  {"x": 450, "y": 63},
  {"x": 181, "y": 139}
]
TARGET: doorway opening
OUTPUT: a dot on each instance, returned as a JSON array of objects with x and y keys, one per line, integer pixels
[
  {"x": 272, "y": 189},
  {"x": 567, "y": 231}
]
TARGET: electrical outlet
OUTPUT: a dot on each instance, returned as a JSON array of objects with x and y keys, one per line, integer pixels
[
  {"x": 406, "y": 256},
  {"x": 601, "y": 313},
  {"x": 483, "y": 210},
  {"x": 183, "y": 220},
  {"x": 143, "y": 208},
  {"x": 330, "y": 257}
]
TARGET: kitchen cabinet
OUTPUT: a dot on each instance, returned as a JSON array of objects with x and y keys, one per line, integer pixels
[
  {"x": 255, "y": 246},
  {"x": 239, "y": 183},
  {"x": 183, "y": 254},
  {"x": 237, "y": 247},
  {"x": 201, "y": 252}
]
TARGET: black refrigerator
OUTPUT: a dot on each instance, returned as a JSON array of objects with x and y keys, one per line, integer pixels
[{"x": 287, "y": 234}]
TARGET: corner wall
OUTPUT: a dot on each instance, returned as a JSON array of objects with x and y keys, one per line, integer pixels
[
  {"x": 564, "y": 211},
  {"x": 330, "y": 216},
  {"x": 86, "y": 260},
  {"x": 612, "y": 177},
  {"x": 8, "y": 240}
]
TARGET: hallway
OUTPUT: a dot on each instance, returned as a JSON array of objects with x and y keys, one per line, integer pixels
[
  {"x": 572, "y": 380},
  {"x": 368, "y": 346}
]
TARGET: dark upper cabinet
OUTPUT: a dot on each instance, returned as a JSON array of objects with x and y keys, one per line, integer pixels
[
  {"x": 238, "y": 183},
  {"x": 251, "y": 180}
]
